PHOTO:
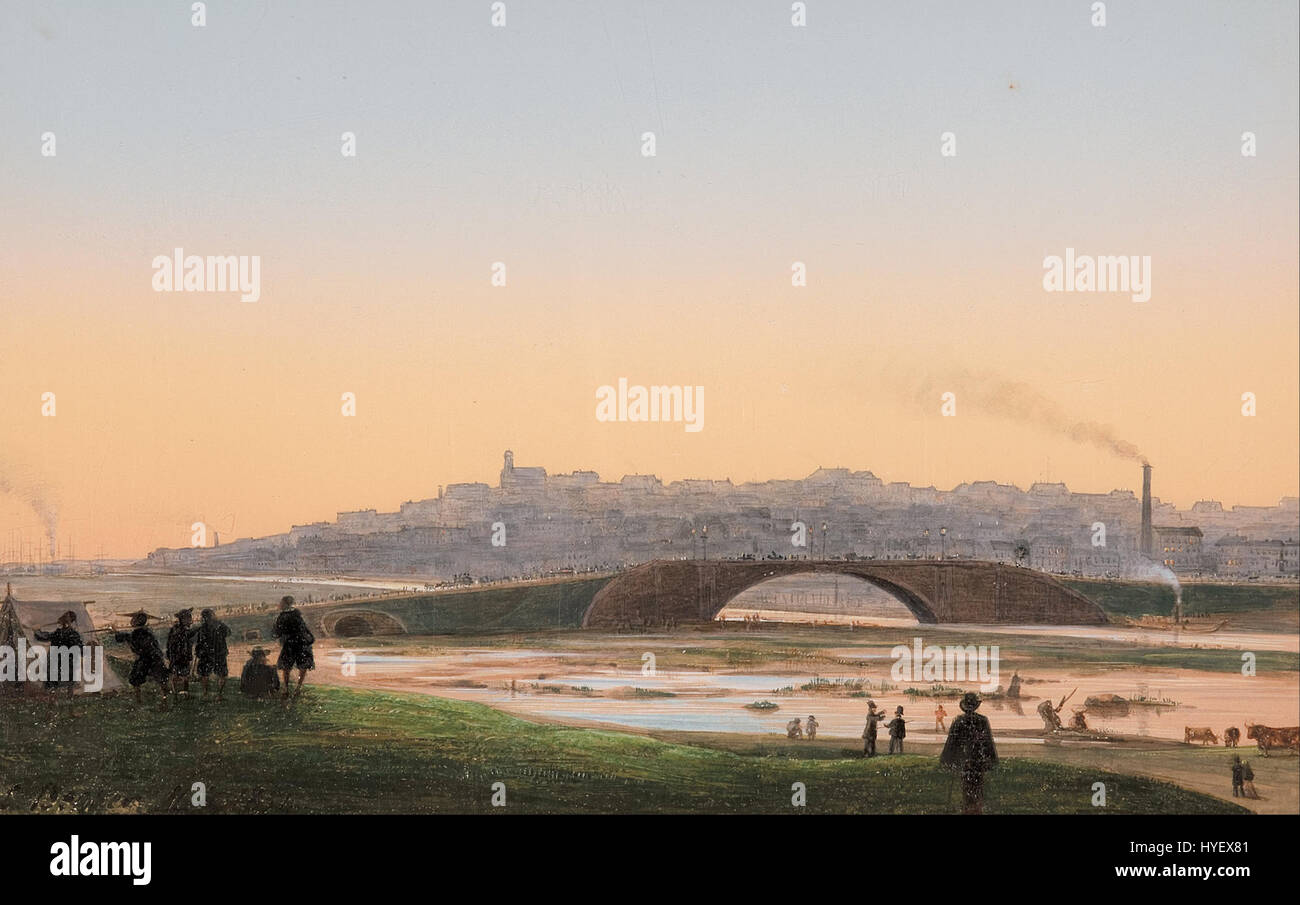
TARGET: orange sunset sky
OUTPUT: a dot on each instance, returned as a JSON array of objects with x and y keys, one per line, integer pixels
[{"x": 819, "y": 145}]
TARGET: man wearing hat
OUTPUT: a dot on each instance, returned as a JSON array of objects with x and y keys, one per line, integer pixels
[
  {"x": 259, "y": 679},
  {"x": 149, "y": 663},
  {"x": 211, "y": 651},
  {"x": 897, "y": 732},
  {"x": 180, "y": 650},
  {"x": 296, "y": 640},
  {"x": 64, "y": 637},
  {"x": 970, "y": 753},
  {"x": 874, "y": 717}
]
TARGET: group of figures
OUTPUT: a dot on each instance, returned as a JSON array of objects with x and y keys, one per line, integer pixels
[
  {"x": 897, "y": 730},
  {"x": 203, "y": 650},
  {"x": 794, "y": 730},
  {"x": 968, "y": 752}
]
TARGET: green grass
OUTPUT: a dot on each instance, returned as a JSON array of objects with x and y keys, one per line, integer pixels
[
  {"x": 342, "y": 750},
  {"x": 1135, "y": 598},
  {"x": 1021, "y": 652}
]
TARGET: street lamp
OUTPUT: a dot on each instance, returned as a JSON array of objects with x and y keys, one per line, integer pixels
[
  {"x": 943, "y": 543},
  {"x": 823, "y": 540},
  {"x": 704, "y": 540},
  {"x": 926, "y": 535}
]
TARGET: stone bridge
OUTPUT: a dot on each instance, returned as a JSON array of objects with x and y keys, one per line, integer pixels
[
  {"x": 554, "y": 603},
  {"x": 685, "y": 591}
]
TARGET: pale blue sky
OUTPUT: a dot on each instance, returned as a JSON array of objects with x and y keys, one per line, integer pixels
[{"x": 470, "y": 134}]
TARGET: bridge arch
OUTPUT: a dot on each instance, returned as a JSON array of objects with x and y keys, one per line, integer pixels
[
  {"x": 914, "y": 603},
  {"x": 357, "y": 623},
  {"x": 686, "y": 591}
]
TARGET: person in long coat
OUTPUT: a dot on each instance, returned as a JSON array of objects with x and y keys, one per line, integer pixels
[
  {"x": 874, "y": 717},
  {"x": 180, "y": 650},
  {"x": 66, "y": 637},
  {"x": 211, "y": 651},
  {"x": 296, "y": 640},
  {"x": 897, "y": 732},
  {"x": 970, "y": 753}
]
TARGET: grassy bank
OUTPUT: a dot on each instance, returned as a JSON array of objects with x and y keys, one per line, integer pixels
[
  {"x": 821, "y": 650},
  {"x": 1137, "y": 598},
  {"x": 340, "y": 750},
  {"x": 508, "y": 608}
]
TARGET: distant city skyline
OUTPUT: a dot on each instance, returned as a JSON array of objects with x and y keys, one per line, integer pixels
[
  {"x": 30, "y": 533},
  {"x": 533, "y": 524}
]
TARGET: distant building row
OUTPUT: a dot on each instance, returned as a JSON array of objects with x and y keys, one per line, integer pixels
[{"x": 546, "y": 523}]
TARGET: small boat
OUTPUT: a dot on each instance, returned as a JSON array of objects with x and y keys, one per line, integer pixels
[{"x": 1118, "y": 705}]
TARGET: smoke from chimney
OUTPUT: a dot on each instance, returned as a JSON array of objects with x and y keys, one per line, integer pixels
[
  {"x": 1017, "y": 401},
  {"x": 1147, "y": 538},
  {"x": 38, "y": 498}
]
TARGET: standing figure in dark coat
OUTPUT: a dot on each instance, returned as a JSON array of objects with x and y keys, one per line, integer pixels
[
  {"x": 149, "y": 663},
  {"x": 874, "y": 717},
  {"x": 211, "y": 651},
  {"x": 1238, "y": 779},
  {"x": 969, "y": 752},
  {"x": 259, "y": 679},
  {"x": 180, "y": 650},
  {"x": 65, "y": 636},
  {"x": 295, "y": 643},
  {"x": 1248, "y": 781},
  {"x": 897, "y": 732}
]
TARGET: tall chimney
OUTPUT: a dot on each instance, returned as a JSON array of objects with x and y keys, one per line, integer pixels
[{"x": 1147, "y": 539}]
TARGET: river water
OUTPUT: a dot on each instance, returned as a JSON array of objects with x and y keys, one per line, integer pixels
[
  {"x": 546, "y": 681},
  {"x": 562, "y": 685}
]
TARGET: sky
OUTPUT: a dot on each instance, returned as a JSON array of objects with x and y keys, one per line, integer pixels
[{"x": 523, "y": 144}]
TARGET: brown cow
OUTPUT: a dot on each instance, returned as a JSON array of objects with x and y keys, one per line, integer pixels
[
  {"x": 1267, "y": 737},
  {"x": 1231, "y": 737},
  {"x": 1205, "y": 736}
]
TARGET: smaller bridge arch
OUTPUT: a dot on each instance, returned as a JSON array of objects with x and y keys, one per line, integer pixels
[{"x": 357, "y": 623}]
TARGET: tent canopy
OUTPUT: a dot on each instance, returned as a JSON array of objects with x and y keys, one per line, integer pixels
[{"x": 26, "y": 617}]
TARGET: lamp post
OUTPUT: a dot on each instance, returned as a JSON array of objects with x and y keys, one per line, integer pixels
[
  {"x": 704, "y": 541},
  {"x": 926, "y": 535},
  {"x": 943, "y": 543},
  {"x": 823, "y": 540},
  {"x": 692, "y": 542}
]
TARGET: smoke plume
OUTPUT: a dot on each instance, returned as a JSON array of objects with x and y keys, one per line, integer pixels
[
  {"x": 1018, "y": 401},
  {"x": 38, "y": 498}
]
